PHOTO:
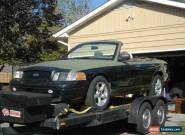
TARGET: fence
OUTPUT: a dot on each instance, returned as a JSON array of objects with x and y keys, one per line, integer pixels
[{"x": 6, "y": 73}]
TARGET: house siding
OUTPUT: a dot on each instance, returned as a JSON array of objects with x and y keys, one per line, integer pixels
[{"x": 142, "y": 27}]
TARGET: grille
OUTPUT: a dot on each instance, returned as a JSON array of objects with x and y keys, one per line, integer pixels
[{"x": 34, "y": 75}]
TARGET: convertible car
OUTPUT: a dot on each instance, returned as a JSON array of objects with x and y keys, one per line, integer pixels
[{"x": 92, "y": 73}]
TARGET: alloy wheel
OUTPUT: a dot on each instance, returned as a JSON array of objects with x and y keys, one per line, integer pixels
[
  {"x": 101, "y": 94},
  {"x": 158, "y": 87},
  {"x": 160, "y": 115},
  {"x": 146, "y": 118}
]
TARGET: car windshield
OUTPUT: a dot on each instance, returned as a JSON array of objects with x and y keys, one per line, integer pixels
[{"x": 93, "y": 51}]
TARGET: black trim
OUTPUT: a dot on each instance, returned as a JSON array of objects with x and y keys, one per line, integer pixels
[{"x": 161, "y": 54}]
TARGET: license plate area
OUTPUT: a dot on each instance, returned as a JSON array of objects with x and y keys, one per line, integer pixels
[{"x": 10, "y": 113}]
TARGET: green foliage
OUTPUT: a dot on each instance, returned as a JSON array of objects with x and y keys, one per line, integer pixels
[
  {"x": 183, "y": 1},
  {"x": 51, "y": 55},
  {"x": 73, "y": 9},
  {"x": 26, "y": 37}
]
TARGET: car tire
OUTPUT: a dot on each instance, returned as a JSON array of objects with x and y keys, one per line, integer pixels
[
  {"x": 159, "y": 113},
  {"x": 98, "y": 94},
  {"x": 144, "y": 118},
  {"x": 156, "y": 86}
]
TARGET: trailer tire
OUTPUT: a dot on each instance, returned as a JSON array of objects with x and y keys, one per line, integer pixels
[
  {"x": 156, "y": 86},
  {"x": 98, "y": 94},
  {"x": 159, "y": 113},
  {"x": 144, "y": 118}
]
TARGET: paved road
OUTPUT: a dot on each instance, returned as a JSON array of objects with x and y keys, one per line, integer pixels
[{"x": 115, "y": 128}]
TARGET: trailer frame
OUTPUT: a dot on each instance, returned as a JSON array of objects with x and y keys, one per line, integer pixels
[{"x": 96, "y": 118}]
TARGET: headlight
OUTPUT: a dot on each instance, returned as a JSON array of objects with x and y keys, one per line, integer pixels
[
  {"x": 69, "y": 76},
  {"x": 18, "y": 75}
]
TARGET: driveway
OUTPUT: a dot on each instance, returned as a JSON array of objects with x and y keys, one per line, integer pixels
[
  {"x": 115, "y": 128},
  {"x": 174, "y": 119}
]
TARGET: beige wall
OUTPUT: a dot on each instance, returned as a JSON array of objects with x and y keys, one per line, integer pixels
[{"x": 151, "y": 27}]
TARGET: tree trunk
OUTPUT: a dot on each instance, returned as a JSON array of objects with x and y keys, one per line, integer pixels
[{"x": 2, "y": 67}]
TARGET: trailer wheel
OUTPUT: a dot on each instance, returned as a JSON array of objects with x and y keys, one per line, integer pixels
[
  {"x": 98, "y": 94},
  {"x": 159, "y": 113},
  {"x": 156, "y": 86},
  {"x": 144, "y": 118}
]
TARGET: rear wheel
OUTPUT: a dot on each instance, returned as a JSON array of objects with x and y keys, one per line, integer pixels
[
  {"x": 159, "y": 113},
  {"x": 156, "y": 86},
  {"x": 144, "y": 118},
  {"x": 98, "y": 94}
]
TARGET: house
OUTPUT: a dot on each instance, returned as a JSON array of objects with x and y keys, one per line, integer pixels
[
  {"x": 143, "y": 26},
  {"x": 153, "y": 28},
  {"x": 5, "y": 75}
]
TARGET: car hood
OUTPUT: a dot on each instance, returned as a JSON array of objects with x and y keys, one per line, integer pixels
[{"x": 77, "y": 65}]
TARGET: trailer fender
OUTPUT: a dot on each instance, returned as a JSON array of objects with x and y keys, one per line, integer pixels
[{"x": 137, "y": 103}]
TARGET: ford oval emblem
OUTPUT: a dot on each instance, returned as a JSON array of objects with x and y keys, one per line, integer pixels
[
  {"x": 36, "y": 75},
  {"x": 50, "y": 91}
]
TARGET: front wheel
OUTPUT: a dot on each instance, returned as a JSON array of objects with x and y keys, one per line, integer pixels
[{"x": 98, "y": 94}]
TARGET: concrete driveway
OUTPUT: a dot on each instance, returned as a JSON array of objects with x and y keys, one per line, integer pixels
[
  {"x": 174, "y": 119},
  {"x": 115, "y": 128}
]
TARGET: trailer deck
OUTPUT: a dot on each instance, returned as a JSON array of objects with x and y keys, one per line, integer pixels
[
  {"x": 70, "y": 118},
  {"x": 113, "y": 113}
]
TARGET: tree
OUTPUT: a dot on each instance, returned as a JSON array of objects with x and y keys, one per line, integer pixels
[
  {"x": 25, "y": 35},
  {"x": 73, "y": 9},
  {"x": 183, "y": 1}
]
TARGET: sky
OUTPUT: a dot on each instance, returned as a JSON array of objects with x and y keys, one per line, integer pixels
[{"x": 96, "y": 3}]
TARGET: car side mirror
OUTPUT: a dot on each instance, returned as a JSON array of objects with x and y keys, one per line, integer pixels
[{"x": 123, "y": 56}]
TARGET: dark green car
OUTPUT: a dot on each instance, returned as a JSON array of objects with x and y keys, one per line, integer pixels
[{"x": 92, "y": 73}]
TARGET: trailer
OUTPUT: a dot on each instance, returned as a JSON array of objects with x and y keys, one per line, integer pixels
[{"x": 140, "y": 110}]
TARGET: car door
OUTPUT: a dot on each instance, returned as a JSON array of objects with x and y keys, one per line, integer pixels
[
  {"x": 126, "y": 76},
  {"x": 144, "y": 71}
]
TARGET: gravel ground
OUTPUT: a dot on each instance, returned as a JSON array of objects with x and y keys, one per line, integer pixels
[
  {"x": 115, "y": 128},
  {"x": 174, "y": 119}
]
